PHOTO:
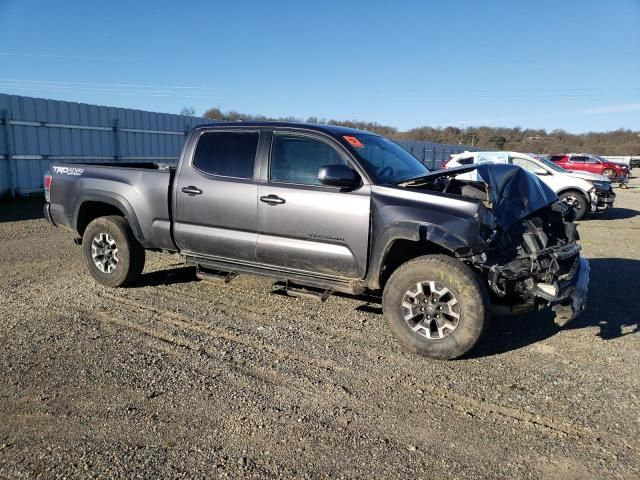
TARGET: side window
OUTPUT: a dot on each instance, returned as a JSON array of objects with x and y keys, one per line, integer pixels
[
  {"x": 228, "y": 154},
  {"x": 298, "y": 159},
  {"x": 528, "y": 165},
  {"x": 465, "y": 161},
  {"x": 577, "y": 159}
]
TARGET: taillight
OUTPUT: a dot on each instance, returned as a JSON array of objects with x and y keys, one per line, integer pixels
[
  {"x": 47, "y": 187},
  {"x": 444, "y": 165}
]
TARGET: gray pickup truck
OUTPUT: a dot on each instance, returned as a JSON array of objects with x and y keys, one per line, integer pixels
[{"x": 334, "y": 209}]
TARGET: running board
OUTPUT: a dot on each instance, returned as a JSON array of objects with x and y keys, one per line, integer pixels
[
  {"x": 220, "y": 267},
  {"x": 215, "y": 275},
  {"x": 296, "y": 291}
]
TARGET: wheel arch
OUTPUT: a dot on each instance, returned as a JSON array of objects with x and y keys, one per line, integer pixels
[
  {"x": 95, "y": 204},
  {"x": 408, "y": 240},
  {"x": 573, "y": 189}
]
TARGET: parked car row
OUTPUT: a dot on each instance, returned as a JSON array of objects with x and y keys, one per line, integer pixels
[
  {"x": 585, "y": 191},
  {"x": 591, "y": 163},
  {"x": 632, "y": 161}
]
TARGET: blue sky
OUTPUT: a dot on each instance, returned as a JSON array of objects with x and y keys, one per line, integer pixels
[{"x": 544, "y": 64}]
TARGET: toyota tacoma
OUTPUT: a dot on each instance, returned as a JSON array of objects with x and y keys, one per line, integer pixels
[{"x": 334, "y": 209}]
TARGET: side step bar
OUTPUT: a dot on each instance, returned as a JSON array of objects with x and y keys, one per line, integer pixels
[
  {"x": 291, "y": 290},
  {"x": 217, "y": 268},
  {"x": 216, "y": 275}
]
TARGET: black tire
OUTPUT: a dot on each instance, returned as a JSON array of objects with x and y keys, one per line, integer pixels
[
  {"x": 465, "y": 287},
  {"x": 130, "y": 254},
  {"x": 577, "y": 200}
]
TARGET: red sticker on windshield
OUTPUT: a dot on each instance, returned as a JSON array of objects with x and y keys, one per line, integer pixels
[{"x": 353, "y": 141}]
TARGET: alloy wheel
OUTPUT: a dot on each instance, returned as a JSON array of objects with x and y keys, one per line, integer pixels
[
  {"x": 104, "y": 253},
  {"x": 431, "y": 310}
]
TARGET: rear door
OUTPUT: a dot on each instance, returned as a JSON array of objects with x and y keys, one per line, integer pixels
[
  {"x": 215, "y": 196},
  {"x": 594, "y": 165},
  {"x": 577, "y": 162},
  {"x": 304, "y": 225}
]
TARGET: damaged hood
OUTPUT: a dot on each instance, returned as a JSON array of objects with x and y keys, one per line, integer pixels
[
  {"x": 514, "y": 193},
  {"x": 588, "y": 176}
]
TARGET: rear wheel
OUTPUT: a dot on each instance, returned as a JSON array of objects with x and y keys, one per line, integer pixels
[
  {"x": 113, "y": 255},
  {"x": 436, "y": 306},
  {"x": 577, "y": 200}
]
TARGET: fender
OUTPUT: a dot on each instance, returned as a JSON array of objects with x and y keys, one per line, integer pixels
[
  {"x": 113, "y": 199},
  {"x": 413, "y": 231}
]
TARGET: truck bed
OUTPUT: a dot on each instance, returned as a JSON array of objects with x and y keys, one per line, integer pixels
[
  {"x": 137, "y": 165},
  {"x": 140, "y": 191}
]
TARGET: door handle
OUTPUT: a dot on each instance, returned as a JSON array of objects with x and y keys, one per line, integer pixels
[
  {"x": 191, "y": 190},
  {"x": 272, "y": 200}
]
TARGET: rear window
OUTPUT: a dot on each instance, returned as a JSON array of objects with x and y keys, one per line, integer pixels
[
  {"x": 228, "y": 154},
  {"x": 556, "y": 158}
]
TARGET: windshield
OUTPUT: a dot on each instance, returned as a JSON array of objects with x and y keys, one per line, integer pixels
[
  {"x": 551, "y": 165},
  {"x": 385, "y": 161}
]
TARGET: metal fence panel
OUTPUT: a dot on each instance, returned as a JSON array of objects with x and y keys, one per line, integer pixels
[
  {"x": 433, "y": 155},
  {"x": 36, "y": 131}
]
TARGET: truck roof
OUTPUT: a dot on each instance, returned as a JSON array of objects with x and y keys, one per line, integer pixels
[{"x": 331, "y": 129}]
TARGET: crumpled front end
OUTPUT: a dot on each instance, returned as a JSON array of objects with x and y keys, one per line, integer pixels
[
  {"x": 533, "y": 259},
  {"x": 536, "y": 264},
  {"x": 604, "y": 195}
]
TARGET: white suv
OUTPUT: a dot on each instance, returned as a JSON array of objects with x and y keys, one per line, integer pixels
[{"x": 585, "y": 194}]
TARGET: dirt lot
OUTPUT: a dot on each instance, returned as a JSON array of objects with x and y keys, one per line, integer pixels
[{"x": 180, "y": 378}]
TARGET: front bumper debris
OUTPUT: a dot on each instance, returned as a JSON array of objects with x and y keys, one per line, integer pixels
[
  {"x": 605, "y": 199},
  {"x": 572, "y": 298}
]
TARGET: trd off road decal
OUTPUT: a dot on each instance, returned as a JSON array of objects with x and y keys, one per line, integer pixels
[{"x": 68, "y": 170}]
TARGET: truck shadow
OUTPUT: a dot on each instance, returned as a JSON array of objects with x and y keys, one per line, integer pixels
[
  {"x": 170, "y": 276},
  {"x": 17, "y": 209},
  {"x": 614, "y": 213},
  {"x": 611, "y": 308}
]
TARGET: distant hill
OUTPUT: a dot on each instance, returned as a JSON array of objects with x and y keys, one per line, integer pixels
[{"x": 617, "y": 142}]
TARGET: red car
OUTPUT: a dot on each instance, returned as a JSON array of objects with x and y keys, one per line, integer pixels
[{"x": 590, "y": 163}]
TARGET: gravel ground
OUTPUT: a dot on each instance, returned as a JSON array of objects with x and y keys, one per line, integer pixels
[{"x": 176, "y": 377}]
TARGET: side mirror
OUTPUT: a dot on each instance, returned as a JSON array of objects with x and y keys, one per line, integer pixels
[
  {"x": 339, "y": 176},
  {"x": 540, "y": 171}
]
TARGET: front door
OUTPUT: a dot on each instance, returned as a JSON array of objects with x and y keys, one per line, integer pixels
[
  {"x": 304, "y": 225},
  {"x": 555, "y": 182},
  {"x": 216, "y": 194}
]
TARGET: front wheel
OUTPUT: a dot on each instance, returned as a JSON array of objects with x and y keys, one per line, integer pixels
[
  {"x": 577, "y": 200},
  {"x": 113, "y": 255},
  {"x": 436, "y": 306}
]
